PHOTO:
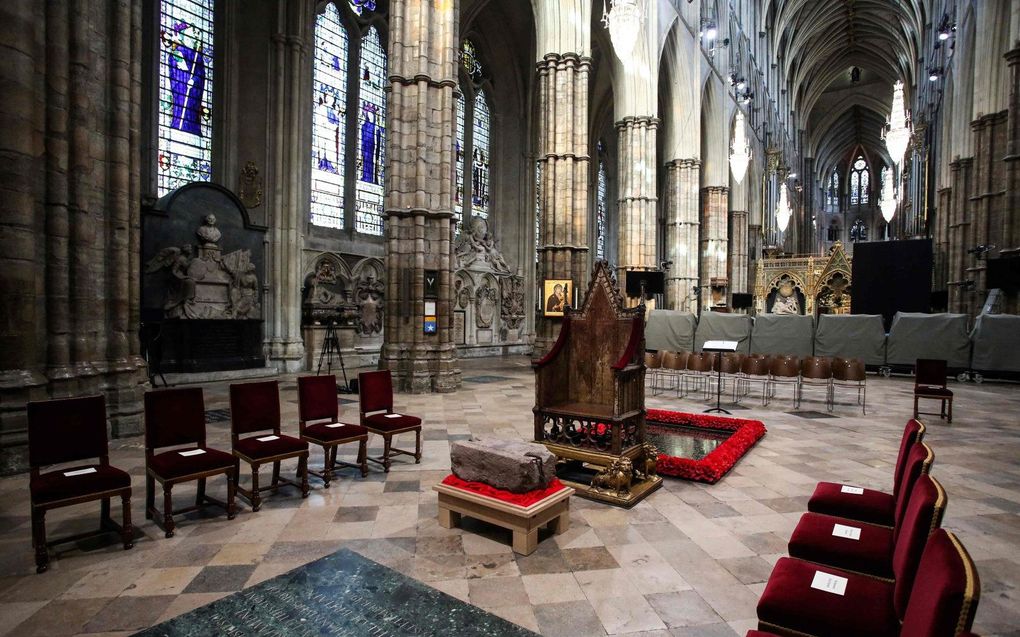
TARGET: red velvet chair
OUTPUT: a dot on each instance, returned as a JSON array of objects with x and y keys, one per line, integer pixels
[
  {"x": 319, "y": 424},
  {"x": 934, "y": 596},
  {"x": 64, "y": 431},
  {"x": 255, "y": 407},
  {"x": 872, "y": 552},
  {"x": 375, "y": 390},
  {"x": 176, "y": 418},
  {"x": 930, "y": 382},
  {"x": 871, "y": 506}
]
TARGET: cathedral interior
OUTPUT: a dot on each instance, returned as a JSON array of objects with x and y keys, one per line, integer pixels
[{"x": 213, "y": 193}]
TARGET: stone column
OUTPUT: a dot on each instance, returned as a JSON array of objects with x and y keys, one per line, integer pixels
[
  {"x": 1011, "y": 224},
  {"x": 637, "y": 199},
  {"x": 563, "y": 156},
  {"x": 420, "y": 122},
  {"x": 682, "y": 227},
  {"x": 739, "y": 263},
  {"x": 714, "y": 242},
  {"x": 808, "y": 236},
  {"x": 959, "y": 299}
]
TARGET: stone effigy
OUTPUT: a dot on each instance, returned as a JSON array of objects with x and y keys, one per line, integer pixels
[{"x": 513, "y": 466}]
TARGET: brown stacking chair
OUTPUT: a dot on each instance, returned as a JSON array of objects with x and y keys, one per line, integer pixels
[
  {"x": 375, "y": 390},
  {"x": 699, "y": 370},
  {"x": 728, "y": 365},
  {"x": 71, "y": 430},
  {"x": 815, "y": 371},
  {"x": 784, "y": 370},
  {"x": 850, "y": 372},
  {"x": 319, "y": 424},
  {"x": 754, "y": 369},
  {"x": 255, "y": 407},
  {"x": 930, "y": 382},
  {"x": 653, "y": 363},
  {"x": 176, "y": 418}
]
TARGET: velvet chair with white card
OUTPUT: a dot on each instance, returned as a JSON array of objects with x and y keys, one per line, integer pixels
[
  {"x": 934, "y": 596},
  {"x": 176, "y": 418},
  {"x": 255, "y": 409},
  {"x": 868, "y": 548},
  {"x": 867, "y": 505},
  {"x": 319, "y": 425},
  {"x": 64, "y": 431},
  {"x": 375, "y": 391}
]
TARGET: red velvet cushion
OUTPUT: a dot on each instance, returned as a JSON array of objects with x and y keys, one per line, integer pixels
[
  {"x": 760, "y": 633},
  {"x": 66, "y": 430},
  {"x": 174, "y": 417},
  {"x": 317, "y": 398},
  {"x": 813, "y": 541},
  {"x": 254, "y": 407},
  {"x": 871, "y": 506},
  {"x": 252, "y": 448},
  {"x": 375, "y": 391},
  {"x": 933, "y": 391},
  {"x": 918, "y": 461},
  {"x": 53, "y": 486},
  {"x": 172, "y": 465},
  {"x": 947, "y": 590},
  {"x": 923, "y": 513},
  {"x": 789, "y": 601},
  {"x": 380, "y": 422},
  {"x": 912, "y": 433},
  {"x": 321, "y": 433}
]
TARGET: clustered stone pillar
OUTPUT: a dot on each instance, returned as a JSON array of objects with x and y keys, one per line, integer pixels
[
  {"x": 682, "y": 228},
  {"x": 637, "y": 199},
  {"x": 739, "y": 260},
  {"x": 714, "y": 242},
  {"x": 419, "y": 195},
  {"x": 69, "y": 215},
  {"x": 563, "y": 156},
  {"x": 959, "y": 222},
  {"x": 1011, "y": 226},
  {"x": 987, "y": 197}
]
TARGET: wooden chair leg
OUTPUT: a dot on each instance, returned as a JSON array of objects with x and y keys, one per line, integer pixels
[
  {"x": 303, "y": 474},
  {"x": 150, "y": 496},
  {"x": 127, "y": 532},
  {"x": 104, "y": 512},
  {"x": 200, "y": 495},
  {"x": 256, "y": 497},
  {"x": 363, "y": 457},
  {"x": 231, "y": 496},
  {"x": 276, "y": 476},
  {"x": 327, "y": 469},
  {"x": 950, "y": 418},
  {"x": 417, "y": 445},
  {"x": 915, "y": 406},
  {"x": 42, "y": 558},
  {"x": 387, "y": 442},
  {"x": 168, "y": 514}
]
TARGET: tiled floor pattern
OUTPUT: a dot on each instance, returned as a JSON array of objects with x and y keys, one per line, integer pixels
[{"x": 689, "y": 560}]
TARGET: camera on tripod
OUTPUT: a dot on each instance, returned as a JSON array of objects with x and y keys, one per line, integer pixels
[{"x": 331, "y": 349}]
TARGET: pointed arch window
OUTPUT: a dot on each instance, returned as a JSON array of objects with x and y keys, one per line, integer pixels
[
  {"x": 859, "y": 231},
  {"x": 860, "y": 178},
  {"x": 601, "y": 207},
  {"x": 186, "y": 61},
  {"x": 833, "y": 193},
  {"x": 473, "y": 140},
  {"x": 329, "y": 121}
]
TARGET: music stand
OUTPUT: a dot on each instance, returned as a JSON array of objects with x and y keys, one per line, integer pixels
[{"x": 719, "y": 347}]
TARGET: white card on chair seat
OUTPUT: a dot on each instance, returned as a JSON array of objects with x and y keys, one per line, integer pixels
[
  {"x": 852, "y": 490},
  {"x": 829, "y": 583},
  {"x": 335, "y": 425},
  {"x": 393, "y": 415},
  {"x": 849, "y": 532},
  {"x": 79, "y": 472},
  {"x": 193, "y": 452},
  {"x": 267, "y": 438}
]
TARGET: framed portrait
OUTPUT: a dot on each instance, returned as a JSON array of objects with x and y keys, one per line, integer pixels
[{"x": 556, "y": 296}]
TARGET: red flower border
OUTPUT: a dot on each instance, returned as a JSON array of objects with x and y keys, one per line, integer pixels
[{"x": 717, "y": 463}]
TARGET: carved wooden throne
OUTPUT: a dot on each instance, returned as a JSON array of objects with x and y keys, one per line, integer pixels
[{"x": 590, "y": 398}]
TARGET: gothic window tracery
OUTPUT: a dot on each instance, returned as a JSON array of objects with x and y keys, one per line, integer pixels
[
  {"x": 473, "y": 140},
  {"x": 329, "y": 122},
  {"x": 833, "y": 191},
  {"x": 859, "y": 231},
  {"x": 601, "y": 208},
  {"x": 860, "y": 176}
]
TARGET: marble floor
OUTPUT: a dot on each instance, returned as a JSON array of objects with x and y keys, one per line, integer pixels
[{"x": 689, "y": 560}]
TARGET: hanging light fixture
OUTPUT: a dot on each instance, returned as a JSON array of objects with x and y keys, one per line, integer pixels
[
  {"x": 623, "y": 19},
  {"x": 897, "y": 131},
  {"x": 888, "y": 202},
  {"x": 783, "y": 210},
  {"x": 740, "y": 150}
]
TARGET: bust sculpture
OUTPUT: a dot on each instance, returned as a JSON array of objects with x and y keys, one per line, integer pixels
[{"x": 208, "y": 233}]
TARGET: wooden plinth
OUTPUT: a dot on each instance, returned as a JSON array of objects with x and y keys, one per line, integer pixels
[{"x": 523, "y": 521}]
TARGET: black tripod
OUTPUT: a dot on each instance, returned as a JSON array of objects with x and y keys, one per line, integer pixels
[{"x": 331, "y": 348}]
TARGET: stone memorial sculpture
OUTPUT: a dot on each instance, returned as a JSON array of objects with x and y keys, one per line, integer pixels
[
  {"x": 510, "y": 465},
  {"x": 477, "y": 247}
]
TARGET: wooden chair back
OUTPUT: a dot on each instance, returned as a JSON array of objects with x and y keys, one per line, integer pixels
[
  {"x": 174, "y": 417},
  {"x": 65, "y": 430},
  {"x": 930, "y": 372},
  {"x": 816, "y": 368},
  {"x": 254, "y": 407},
  {"x": 653, "y": 360},
  {"x": 375, "y": 391},
  {"x": 317, "y": 399},
  {"x": 785, "y": 367},
  {"x": 755, "y": 365}
]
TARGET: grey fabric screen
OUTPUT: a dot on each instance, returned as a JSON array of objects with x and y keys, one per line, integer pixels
[
  {"x": 915, "y": 335},
  {"x": 851, "y": 336},
  {"x": 718, "y": 326},
  {"x": 670, "y": 330},
  {"x": 996, "y": 339},
  {"x": 783, "y": 334}
]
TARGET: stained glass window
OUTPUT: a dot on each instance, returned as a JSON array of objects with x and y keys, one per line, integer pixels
[
  {"x": 185, "y": 93},
  {"x": 368, "y": 213},
  {"x": 472, "y": 141},
  {"x": 538, "y": 207},
  {"x": 480, "y": 158},
  {"x": 361, "y": 6},
  {"x": 859, "y": 178},
  {"x": 458, "y": 193},
  {"x": 834, "y": 189},
  {"x": 601, "y": 210},
  {"x": 329, "y": 119}
]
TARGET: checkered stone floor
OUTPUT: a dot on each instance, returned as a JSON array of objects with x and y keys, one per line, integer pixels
[{"x": 689, "y": 560}]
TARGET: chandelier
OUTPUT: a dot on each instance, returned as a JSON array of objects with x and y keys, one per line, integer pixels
[
  {"x": 623, "y": 19},
  {"x": 783, "y": 210},
  {"x": 740, "y": 150},
  {"x": 888, "y": 202},
  {"x": 897, "y": 129}
]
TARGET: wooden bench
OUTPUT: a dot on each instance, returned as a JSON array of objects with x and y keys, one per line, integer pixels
[{"x": 523, "y": 521}]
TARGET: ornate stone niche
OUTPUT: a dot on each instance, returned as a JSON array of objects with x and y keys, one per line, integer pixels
[
  {"x": 203, "y": 267},
  {"x": 813, "y": 284}
]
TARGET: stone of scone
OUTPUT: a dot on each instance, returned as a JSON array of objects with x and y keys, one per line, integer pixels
[{"x": 510, "y": 465}]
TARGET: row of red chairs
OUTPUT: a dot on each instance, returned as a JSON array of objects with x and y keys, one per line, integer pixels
[
  {"x": 865, "y": 562},
  {"x": 675, "y": 370},
  {"x": 72, "y": 430}
]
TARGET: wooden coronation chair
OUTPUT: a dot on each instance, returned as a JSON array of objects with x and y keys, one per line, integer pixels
[
  {"x": 319, "y": 421},
  {"x": 255, "y": 407},
  {"x": 375, "y": 393},
  {"x": 64, "y": 431},
  {"x": 930, "y": 382},
  {"x": 176, "y": 418}
]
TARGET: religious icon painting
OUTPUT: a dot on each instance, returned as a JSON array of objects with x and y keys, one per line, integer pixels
[{"x": 556, "y": 295}]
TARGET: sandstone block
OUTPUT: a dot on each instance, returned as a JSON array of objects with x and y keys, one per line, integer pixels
[{"x": 504, "y": 464}]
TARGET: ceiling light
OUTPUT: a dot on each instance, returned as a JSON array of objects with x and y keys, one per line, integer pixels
[
  {"x": 623, "y": 19},
  {"x": 783, "y": 210},
  {"x": 710, "y": 32},
  {"x": 897, "y": 128},
  {"x": 888, "y": 202},
  {"x": 933, "y": 74},
  {"x": 740, "y": 150}
]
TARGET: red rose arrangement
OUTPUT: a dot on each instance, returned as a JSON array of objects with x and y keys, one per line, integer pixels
[{"x": 717, "y": 463}]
